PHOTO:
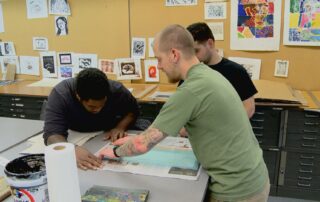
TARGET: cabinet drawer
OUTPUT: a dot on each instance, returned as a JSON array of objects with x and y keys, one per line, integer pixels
[
  {"x": 272, "y": 158},
  {"x": 310, "y": 141},
  {"x": 271, "y": 140},
  {"x": 307, "y": 184},
  {"x": 300, "y": 121},
  {"x": 266, "y": 119}
]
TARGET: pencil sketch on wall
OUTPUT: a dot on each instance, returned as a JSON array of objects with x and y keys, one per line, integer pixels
[
  {"x": 251, "y": 65},
  {"x": 61, "y": 24},
  {"x": 282, "y": 68},
  {"x": 84, "y": 61},
  {"x": 59, "y": 7},
  {"x": 217, "y": 30},
  {"x": 8, "y": 49},
  {"x": 215, "y": 10},
  {"x": 29, "y": 65},
  {"x": 37, "y": 9},
  {"x": 138, "y": 47},
  {"x": 107, "y": 66},
  {"x": 40, "y": 43},
  {"x": 181, "y": 2}
]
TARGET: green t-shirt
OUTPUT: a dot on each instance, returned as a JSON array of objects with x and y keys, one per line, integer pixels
[{"x": 219, "y": 132}]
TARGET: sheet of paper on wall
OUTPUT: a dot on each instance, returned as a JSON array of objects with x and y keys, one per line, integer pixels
[
  {"x": 1, "y": 20},
  {"x": 65, "y": 72},
  {"x": 36, "y": 144},
  {"x": 138, "y": 48},
  {"x": 181, "y": 2},
  {"x": 29, "y": 65},
  {"x": 150, "y": 47},
  {"x": 9, "y": 60},
  {"x": 107, "y": 66},
  {"x": 40, "y": 43},
  {"x": 7, "y": 49},
  {"x": 84, "y": 61},
  {"x": 49, "y": 64},
  {"x": 151, "y": 71},
  {"x": 216, "y": 10},
  {"x": 252, "y": 32},
  {"x": 59, "y": 7},
  {"x": 301, "y": 23},
  {"x": 37, "y": 9},
  {"x": 128, "y": 68},
  {"x": 217, "y": 29},
  {"x": 281, "y": 68},
  {"x": 251, "y": 65},
  {"x": 173, "y": 158},
  {"x": 161, "y": 95}
]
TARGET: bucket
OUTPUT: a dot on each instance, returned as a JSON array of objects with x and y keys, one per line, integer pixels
[{"x": 27, "y": 178}]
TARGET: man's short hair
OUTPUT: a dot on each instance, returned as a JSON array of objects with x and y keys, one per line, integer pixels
[
  {"x": 200, "y": 31},
  {"x": 176, "y": 36},
  {"x": 91, "y": 83}
]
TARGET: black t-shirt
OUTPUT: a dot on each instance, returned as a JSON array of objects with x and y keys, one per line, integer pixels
[
  {"x": 237, "y": 76},
  {"x": 64, "y": 111}
]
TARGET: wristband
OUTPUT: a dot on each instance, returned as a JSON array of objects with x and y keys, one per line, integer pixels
[{"x": 114, "y": 151}]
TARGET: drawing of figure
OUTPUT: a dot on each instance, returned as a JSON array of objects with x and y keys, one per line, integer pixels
[
  {"x": 61, "y": 26},
  {"x": 7, "y": 49},
  {"x": 106, "y": 66},
  {"x": 59, "y": 6},
  {"x": 306, "y": 10},
  {"x": 48, "y": 64}
]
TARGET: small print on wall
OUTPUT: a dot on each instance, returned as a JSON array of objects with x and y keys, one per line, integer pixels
[
  {"x": 151, "y": 71},
  {"x": 282, "y": 68},
  {"x": 40, "y": 43},
  {"x": 107, "y": 66},
  {"x": 128, "y": 69},
  {"x": 138, "y": 49}
]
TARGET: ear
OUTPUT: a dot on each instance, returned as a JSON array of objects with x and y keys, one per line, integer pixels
[
  {"x": 175, "y": 55},
  {"x": 211, "y": 43}
]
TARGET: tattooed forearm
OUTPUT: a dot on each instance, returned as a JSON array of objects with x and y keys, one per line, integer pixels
[{"x": 141, "y": 143}]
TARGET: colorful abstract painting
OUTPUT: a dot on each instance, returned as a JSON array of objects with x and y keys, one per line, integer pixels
[
  {"x": 302, "y": 22},
  {"x": 255, "y": 21}
]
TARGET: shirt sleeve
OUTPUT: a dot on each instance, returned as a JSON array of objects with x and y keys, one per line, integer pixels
[
  {"x": 244, "y": 85},
  {"x": 55, "y": 116},
  {"x": 176, "y": 112}
]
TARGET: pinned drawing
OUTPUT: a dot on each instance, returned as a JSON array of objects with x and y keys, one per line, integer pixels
[
  {"x": 128, "y": 69},
  {"x": 251, "y": 65},
  {"x": 59, "y": 7},
  {"x": 49, "y": 65},
  {"x": 215, "y": 10},
  {"x": 65, "y": 72},
  {"x": 107, "y": 66},
  {"x": 40, "y": 43},
  {"x": 217, "y": 30},
  {"x": 37, "y": 9},
  {"x": 9, "y": 60},
  {"x": 29, "y": 65},
  {"x": 150, "y": 47},
  {"x": 282, "y": 68},
  {"x": 61, "y": 24},
  {"x": 255, "y": 25},
  {"x": 84, "y": 61},
  {"x": 181, "y": 2},
  {"x": 65, "y": 58},
  {"x": 151, "y": 71},
  {"x": 8, "y": 49},
  {"x": 302, "y": 23},
  {"x": 138, "y": 48}
]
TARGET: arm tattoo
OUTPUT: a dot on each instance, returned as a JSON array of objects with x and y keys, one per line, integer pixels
[{"x": 141, "y": 143}]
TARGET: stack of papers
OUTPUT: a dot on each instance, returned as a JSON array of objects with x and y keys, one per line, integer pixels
[{"x": 37, "y": 145}]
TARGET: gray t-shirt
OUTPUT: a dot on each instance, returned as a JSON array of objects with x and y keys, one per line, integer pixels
[{"x": 64, "y": 111}]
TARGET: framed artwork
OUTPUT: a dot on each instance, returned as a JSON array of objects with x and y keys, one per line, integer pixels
[
  {"x": 281, "y": 68},
  {"x": 301, "y": 23},
  {"x": 151, "y": 72},
  {"x": 138, "y": 48},
  {"x": 65, "y": 58},
  {"x": 40, "y": 43},
  {"x": 107, "y": 66},
  {"x": 128, "y": 69}
]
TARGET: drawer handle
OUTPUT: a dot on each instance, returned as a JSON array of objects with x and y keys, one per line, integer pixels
[
  {"x": 258, "y": 135},
  {"x": 305, "y": 171},
  {"x": 311, "y": 116},
  {"x": 303, "y": 185},
  {"x": 309, "y": 138},
  {"x": 305, "y": 178},
  {"x": 260, "y": 113},
  {"x": 311, "y": 124},
  {"x": 258, "y": 127},
  {"x": 310, "y": 131},
  {"x": 306, "y": 164},
  {"x": 306, "y": 157},
  {"x": 257, "y": 120},
  {"x": 308, "y": 145},
  {"x": 260, "y": 141}
]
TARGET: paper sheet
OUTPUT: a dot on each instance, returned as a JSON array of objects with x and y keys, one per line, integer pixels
[
  {"x": 37, "y": 145},
  {"x": 173, "y": 158},
  {"x": 161, "y": 95},
  {"x": 46, "y": 82}
]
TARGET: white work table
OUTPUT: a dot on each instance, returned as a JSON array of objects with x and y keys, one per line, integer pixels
[{"x": 161, "y": 189}]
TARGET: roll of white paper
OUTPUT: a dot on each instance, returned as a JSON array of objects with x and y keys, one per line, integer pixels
[{"x": 62, "y": 173}]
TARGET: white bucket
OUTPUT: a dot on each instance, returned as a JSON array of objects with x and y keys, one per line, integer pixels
[{"x": 27, "y": 178}]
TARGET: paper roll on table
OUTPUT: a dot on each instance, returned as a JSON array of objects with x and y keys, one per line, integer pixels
[{"x": 62, "y": 173}]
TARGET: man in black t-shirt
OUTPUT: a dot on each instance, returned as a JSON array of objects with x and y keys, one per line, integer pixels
[
  {"x": 90, "y": 102},
  {"x": 234, "y": 72}
]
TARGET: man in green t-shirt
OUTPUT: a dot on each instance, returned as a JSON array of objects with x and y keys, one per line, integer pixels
[{"x": 212, "y": 112}]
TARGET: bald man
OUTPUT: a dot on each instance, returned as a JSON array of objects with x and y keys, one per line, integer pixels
[{"x": 211, "y": 110}]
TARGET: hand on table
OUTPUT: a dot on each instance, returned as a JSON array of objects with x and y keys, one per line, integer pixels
[
  {"x": 115, "y": 134},
  {"x": 86, "y": 160}
]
